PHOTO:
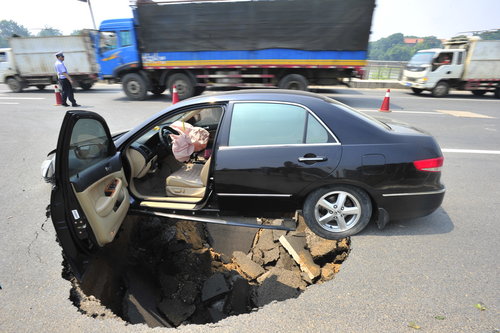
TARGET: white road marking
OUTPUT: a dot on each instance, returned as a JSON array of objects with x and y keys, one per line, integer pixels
[
  {"x": 433, "y": 113},
  {"x": 471, "y": 151},
  {"x": 8, "y": 103},
  {"x": 22, "y": 98},
  {"x": 464, "y": 114}
]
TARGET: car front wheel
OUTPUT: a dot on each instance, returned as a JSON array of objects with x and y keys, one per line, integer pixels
[{"x": 337, "y": 211}]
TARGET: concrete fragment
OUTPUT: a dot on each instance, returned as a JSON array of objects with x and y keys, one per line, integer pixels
[
  {"x": 271, "y": 255},
  {"x": 238, "y": 298},
  {"x": 285, "y": 261},
  {"x": 139, "y": 303},
  {"x": 214, "y": 286},
  {"x": 279, "y": 285},
  {"x": 216, "y": 315},
  {"x": 226, "y": 240},
  {"x": 295, "y": 245},
  {"x": 249, "y": 267},
  {"x": 176, "y": 310},
  {"x": 266, "y": 240},
  {"x": 319, "y": 246},
  {"x": 277, "y": 234}
]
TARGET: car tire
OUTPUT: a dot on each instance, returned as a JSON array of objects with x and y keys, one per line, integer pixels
[
  {"x": 183, "y": 84},
  {"x": 41, "y": 86},
  {"x": 14, "y": 84},
  {"x": 497, "y": 92},
  {"x": 441, "y": 89},
  {"x": 417, "y": 91},
  {"x": 134, "y": 86},
  {"x": 293, "y": 82},
  {"x": 326, "y": 207}
]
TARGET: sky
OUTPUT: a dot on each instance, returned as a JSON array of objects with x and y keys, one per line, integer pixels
[{"x": 440, "y": 18}]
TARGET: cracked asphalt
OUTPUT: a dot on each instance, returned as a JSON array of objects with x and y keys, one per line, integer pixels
[{"x": 429, "y": 272}]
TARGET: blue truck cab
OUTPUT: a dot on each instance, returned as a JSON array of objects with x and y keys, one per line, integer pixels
[{"x": 116, "y": 48}]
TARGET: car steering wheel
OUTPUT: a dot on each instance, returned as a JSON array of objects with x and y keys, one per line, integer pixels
[{"x": 165, "y": 138}]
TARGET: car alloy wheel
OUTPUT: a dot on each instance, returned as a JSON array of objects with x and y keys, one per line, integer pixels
[{"x": 337, "y": 211}]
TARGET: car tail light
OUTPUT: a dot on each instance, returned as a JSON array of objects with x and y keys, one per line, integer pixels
[{"x": 432, "y": 164}]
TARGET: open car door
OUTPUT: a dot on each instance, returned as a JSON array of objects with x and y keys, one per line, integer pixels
[{"x": 90, "y": 199}]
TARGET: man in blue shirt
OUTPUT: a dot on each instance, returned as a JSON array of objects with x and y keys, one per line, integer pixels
[{"x": 65, "y": 81}]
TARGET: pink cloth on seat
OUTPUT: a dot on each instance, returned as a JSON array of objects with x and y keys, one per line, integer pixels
[{"x": 189, "y": 140}]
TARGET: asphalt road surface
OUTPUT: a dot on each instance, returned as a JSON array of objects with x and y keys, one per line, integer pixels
[{"x": 435, "y": 274}]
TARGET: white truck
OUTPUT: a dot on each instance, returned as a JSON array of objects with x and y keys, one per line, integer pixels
[
  {"x": 465, "y": 63},
  {"x": 30, "y": 61}
]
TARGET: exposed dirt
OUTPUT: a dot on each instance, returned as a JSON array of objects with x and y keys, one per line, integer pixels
[{"x": 163, "y": 273}]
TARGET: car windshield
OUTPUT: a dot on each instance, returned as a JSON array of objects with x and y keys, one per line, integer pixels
[{"x": 421, "y": 58}]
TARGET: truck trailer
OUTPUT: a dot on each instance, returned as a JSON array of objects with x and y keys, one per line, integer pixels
[
  {"x": 30, "y": 61},
  {"x": 465, "y": 63},
  {"x": 192, "y": 45}
]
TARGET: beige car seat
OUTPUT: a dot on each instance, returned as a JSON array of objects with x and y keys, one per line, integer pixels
[{"x": 189, "y": 181}]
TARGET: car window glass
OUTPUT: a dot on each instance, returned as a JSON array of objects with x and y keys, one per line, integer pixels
[
  {"x": 125, "y": 38},
  {"x": 267, "y": 124},
  {"x": 108, "y": 41},
  {"x": 88, "y": 146},
  {"x": 316, "y": 133}
]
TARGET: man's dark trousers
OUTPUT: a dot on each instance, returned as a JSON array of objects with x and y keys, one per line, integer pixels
[{"x": 67, "y": 91}]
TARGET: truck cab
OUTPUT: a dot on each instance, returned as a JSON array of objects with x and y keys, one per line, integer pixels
[
  {"x": 6, "y": 64},
  {"x": 116, "y": 48},
  {"x": 434, "y": 70}
]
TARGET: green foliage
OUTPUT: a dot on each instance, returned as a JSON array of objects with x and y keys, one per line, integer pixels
[
  {"x": 9, "y": 28},
  {"x": 49, "y": 31},
  {"x": 76, "y": 32},
  {"x": 394, "y": 48},
  {"x": 495, "y": 34}
]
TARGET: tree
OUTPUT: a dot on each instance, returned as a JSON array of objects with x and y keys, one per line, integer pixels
[
  {"x": 49, "y": 31},
  {"x": 76, "y": 32},
  {"x": 9, "y": 28},
  {"x": 394, "y": 48},
  {"x": 494, "y": 34}
]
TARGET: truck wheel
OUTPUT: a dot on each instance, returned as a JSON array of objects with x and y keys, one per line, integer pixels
[
  {"x": 158, "y": 90},
  {"x": 338, "y": 211},
  {"x": 41, "y": 86},
  {"x": 478, "y": 92},
  {"x": 417, "y": 91},
  {"x": 441, "y": 89},
  {"x": 14, "y": 85},
  {"x": 497, "y": 92},
  {"x": 293, "y": 82},
  {"x": 85, "y": 85},
  {"x": 134, "y": 86},
  {"x": 183, "y": 84}
]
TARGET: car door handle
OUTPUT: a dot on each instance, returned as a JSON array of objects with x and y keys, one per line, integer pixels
[
  {"x": 313, "y": 159},
  {"x": 448, "y": 72}
]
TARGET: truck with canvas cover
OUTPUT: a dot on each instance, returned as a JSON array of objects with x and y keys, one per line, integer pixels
[
  {"x": 30, "y": 61},
  {"x": 465, "y": 63},
  {"x": 288, "y": 44}
]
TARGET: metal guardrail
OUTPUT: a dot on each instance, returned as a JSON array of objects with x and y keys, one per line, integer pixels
[{"x": 384, "y": 70}]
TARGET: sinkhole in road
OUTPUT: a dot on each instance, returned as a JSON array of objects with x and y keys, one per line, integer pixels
[{"x": 164, "y": 273}]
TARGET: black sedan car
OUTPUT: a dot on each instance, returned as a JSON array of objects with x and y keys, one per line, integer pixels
[{"x": 265, "y": 153}]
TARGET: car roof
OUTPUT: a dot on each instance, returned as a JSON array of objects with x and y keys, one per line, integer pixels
[{"x": 259, "y": 94}]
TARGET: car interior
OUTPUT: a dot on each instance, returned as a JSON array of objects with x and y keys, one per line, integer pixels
[{"x": 159, "y": 174}]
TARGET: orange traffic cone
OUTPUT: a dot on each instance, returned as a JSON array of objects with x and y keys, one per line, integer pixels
[
  {"x": 385, "y": 103},
  {"x": 58, "y": 95},
  {"x": 175, "y": 96}
]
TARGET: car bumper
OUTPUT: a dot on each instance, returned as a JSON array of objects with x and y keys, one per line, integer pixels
[
  {"x": 417, "y": 85},
  {"x": 411, "y": 205}
]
